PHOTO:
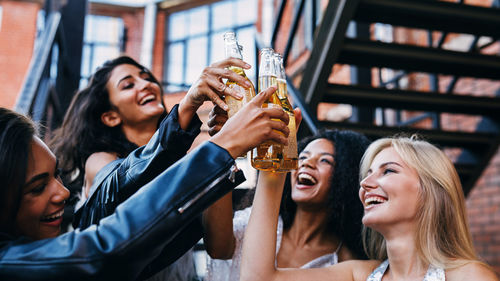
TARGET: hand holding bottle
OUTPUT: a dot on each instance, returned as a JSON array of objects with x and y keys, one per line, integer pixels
[
  {"x": 253, "y": 125},
  {"x": 210, "y": 87}
]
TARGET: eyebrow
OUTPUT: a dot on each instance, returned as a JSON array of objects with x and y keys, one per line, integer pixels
[
  {"x": 322, "y": 153},
  {"x": 36, "y": 178},
  {"x": 390, "y": 163},
  {"x": 40, "y": 176}
]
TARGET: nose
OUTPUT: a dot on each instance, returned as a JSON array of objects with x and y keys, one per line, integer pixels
[
  {"x": 307, "y": 162},
  {"x": 145, "y": 84},
  {"x": 369, "y": 182},
  {"x": 61, "y": 193}
]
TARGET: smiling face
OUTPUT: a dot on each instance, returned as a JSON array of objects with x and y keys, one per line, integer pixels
[
  {"x": 311, "y": 181},
  {"x": 134, "y": 96},
  {"x": 42, "y": 204},
  {"x": 390, "y": 191}
]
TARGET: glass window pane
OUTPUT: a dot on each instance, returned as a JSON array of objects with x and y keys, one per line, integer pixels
[
  {"x": 102, "y": 54},
  {"x": 217, "y": 53},
  {"x": 198, "y": 20},
  {"x": 85, "y": 70},
  {"x": 177, "y": 26},
  {"x": 246, "y": 38},
  {"x": 196, "y": 58},
  {"x": 246, "y": 12},
  {"x": 222, "y": 15},
  {"x": 175, "y": 62}
]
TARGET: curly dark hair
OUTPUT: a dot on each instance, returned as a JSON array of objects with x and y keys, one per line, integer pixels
[
  {"x": 16, "y": 135},
  {"x": 83, "y": 133},
  {"x": 346, "y": 209}
]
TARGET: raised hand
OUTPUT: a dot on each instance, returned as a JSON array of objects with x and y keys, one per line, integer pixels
[{"x": 253, "y": 125}]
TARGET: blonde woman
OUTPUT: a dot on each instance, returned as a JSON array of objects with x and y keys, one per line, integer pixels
[{"x": 414, "y": 220}]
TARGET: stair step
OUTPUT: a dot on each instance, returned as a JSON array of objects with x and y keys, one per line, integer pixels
[
  {"x": 414, "y": 58},
  {"x": 412, "y": 100},
  {"x": 476, "y": 143},
  {"x": 433, "y": 15}
]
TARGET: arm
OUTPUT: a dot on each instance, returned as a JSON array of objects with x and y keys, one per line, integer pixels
[
  {"x": 125, "y": 242},
  {"x": 259, "y": 245}
]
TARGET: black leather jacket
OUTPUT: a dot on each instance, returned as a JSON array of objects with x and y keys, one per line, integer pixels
[
  {"x": 140, "y": 229},
  {"x": 121, "y": 178}
]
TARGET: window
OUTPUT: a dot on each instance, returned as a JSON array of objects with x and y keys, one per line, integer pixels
[
  {"x": 195, "y": 39},
  {"x": 103, "y": 39}
]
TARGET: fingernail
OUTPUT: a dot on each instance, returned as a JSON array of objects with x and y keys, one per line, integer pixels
[
  {"x": 247, "y": 66},
  {"x": 248, "y": 84},
  {"x": 225, "y": 107}
]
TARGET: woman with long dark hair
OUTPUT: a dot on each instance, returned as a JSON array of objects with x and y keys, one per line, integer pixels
[{"x": 320, "y": 215}]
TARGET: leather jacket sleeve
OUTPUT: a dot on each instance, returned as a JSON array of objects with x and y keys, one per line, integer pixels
[
  {"x": 124, "y": 243},
  {"x": 120, "y": 179}
]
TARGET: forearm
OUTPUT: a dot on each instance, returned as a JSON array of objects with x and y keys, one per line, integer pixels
[
  {"x": 186, "y": 112},
  {"x": 259, "y": 245},
  {"x": 218, "y": 228}
]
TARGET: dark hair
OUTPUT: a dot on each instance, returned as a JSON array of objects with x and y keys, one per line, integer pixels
[
  {"x": 344, "y": 205},
  {"x": 16, "y": 135},
  {"x": 83, "y": 133}
]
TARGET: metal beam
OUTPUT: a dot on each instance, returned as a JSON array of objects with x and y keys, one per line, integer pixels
[
  {"x": 413, "y": 100},
  {"x": 431, "y": 14},
  {"x": 326, "y": 49},
  {"x": 414, "y": 58},
  {"x": 475, "y": 142}
]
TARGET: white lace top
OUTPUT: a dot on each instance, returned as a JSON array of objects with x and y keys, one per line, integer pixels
[
  {"x": 432, "y": 274},
  {"x": 229, "y": 270}
]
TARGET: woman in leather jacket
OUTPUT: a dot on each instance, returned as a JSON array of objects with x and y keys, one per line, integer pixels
[
  {"x": 32, "y": 201},
  {"x": 120, "y": 110}
]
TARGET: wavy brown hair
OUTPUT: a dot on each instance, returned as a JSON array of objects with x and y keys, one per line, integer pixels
[{"x": 83, "y": 133}]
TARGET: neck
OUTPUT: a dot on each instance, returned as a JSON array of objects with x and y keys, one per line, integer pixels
[
  {"x": 310, "y": 227},
  {"x": 140, "y": 134},
  {"x": 404, "y": 261}
]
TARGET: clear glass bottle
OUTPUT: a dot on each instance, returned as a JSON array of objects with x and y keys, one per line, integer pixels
[
  {"x": 290, "y": 154},
  {"x": 233, "y": 50},
  {"x": 268, "y": 156}
]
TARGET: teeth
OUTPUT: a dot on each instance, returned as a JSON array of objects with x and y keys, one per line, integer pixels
[
  {"x": 147, "y": 99},
  {"x": 305, "y": 178},
  {"x": 371, "y": 200},
  {"x": 56, "y": 215}
]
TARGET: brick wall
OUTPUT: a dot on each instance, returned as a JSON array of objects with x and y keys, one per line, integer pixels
[{"x": 17, "y": 36}]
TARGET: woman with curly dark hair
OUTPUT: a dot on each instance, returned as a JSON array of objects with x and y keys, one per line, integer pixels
[{"x": 320, "y": 214}]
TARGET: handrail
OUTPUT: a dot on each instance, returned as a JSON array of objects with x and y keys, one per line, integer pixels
[{"x": 38, "y": 64}]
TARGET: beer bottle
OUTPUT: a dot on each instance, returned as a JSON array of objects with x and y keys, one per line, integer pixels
[
  {"x": 233, "y": 50},
  {"x": 268, "y": 155},
  {"x": 290, "y": 155}
]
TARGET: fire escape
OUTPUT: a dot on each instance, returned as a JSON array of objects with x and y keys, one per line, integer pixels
[{"x": 343, "y": 37}]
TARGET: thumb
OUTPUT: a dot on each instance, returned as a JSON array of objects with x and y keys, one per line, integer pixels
[
  {"x": 298, "y": 117},
  {"x": 263, "y": 96}
]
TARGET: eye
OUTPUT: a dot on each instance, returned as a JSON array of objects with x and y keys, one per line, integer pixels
[
  {"x": 387, "y": 171},
  {"x": 128, "y": 86},
  {"x": 326, "y": 160},
  {"x": 302, "y": 157},
  {"x": 38, "y": 190}
]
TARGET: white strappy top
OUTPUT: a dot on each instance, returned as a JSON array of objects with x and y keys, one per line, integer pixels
[
  {"x": 229, "y": 270},
  {"x": 432, "y": 274}
]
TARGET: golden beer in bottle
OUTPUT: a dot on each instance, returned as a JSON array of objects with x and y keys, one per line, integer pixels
[
  {"x": 290, "y": 154},
  {"x": 233, "y": 50},
  {"x": 268, "y": 156}
]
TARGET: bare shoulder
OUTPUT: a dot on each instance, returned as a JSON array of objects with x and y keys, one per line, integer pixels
[
  {"x": 93, "y": 165},
  {"x": 471, "y": 271},
  {"x": 98, "y": 160}
]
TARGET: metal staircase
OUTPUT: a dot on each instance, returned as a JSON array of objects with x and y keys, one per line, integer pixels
[{"x": 334, "y": 44}]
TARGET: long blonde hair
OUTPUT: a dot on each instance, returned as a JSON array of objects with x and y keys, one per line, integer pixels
[{"x": 443, "y": 238}]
